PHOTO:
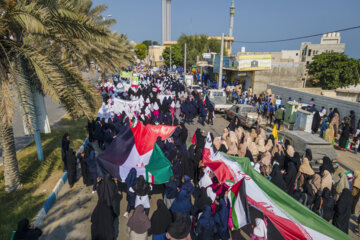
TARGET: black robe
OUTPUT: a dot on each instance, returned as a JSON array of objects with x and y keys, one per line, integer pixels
[
  {"x": 161, "y": 219},
  {"x": 316, "y": 122},
  {"x": 71, "y": 165},
  {"x": 290, "y": 178},
  {"x": 277, "y": 178},
  {"x": 343, "y": 211},
  {"x": 344, "y": 137}
]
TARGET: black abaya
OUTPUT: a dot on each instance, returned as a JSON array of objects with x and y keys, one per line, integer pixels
[
  {"x": 343, "y": 211},
  {"x": 344, "y": 137},
  {"x": 71, "y": 165}
]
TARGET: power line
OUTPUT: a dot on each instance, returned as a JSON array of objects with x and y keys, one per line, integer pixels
[{"x": 296, "y": 38}]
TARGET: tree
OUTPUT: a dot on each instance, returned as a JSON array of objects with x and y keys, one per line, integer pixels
[
  {"x": 176, "y": 55},
  {"x": 42, "y": 47},
  {"x": 196, "y": 45},
  {"x": 333, "y": 70},
  {"x": 149, "y": 43},
  {"x": 140, "y": 50}
]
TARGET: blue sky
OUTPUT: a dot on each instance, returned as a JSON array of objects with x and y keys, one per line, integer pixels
[{"x": 254, "y": 20}]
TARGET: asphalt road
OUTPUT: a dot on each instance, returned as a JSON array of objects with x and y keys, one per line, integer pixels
[{"x": 70, "y": 216}]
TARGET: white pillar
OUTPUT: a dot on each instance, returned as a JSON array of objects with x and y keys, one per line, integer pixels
[
  {"x": 163, "y": 20},
  {"x": 221, "y": 62},
  {"x": 168, "y": 20}
]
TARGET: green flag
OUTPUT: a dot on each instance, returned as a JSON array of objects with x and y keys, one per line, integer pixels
[{"x": 158, "y": 170}]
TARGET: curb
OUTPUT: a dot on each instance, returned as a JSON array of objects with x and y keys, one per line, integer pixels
[{"x": 49, "y": 202}]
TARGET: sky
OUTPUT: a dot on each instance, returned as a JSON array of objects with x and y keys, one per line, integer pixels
[{"x": 259, "y": 20}]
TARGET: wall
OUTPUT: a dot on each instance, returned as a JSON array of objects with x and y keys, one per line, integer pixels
[
  {"x": 293, "y": 55},
  {"x": 284, "y": 74},
  {"x": 344, "y": 107}
]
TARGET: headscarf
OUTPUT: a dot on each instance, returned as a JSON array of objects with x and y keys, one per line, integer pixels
[
  {"x": 187, "y": 186},
  {"x": 326, "y": 180},
  {"x": 203, "y": 199},
  {"x": 180, "y": 228},
  {"x": 65, "y": 143},
  {"x": 266, "y": 159},
  {"x": 141, "y": 188},
  {"x": 160, "y": 219},
  {"x": 316, "y": 183},
  {"x": 106, "y": 190},
  {"x": 290, "y": 151},
  {"x": 139, "y": 222},
  {"x": 343, "y": 183},
  {"x": 131, "y": 178},
  {"x": 305, "y": 167},
  {"x": 206, "y": 219},
  {"x": 356, "y": 182},
  {"x": 261, "y": 145},
  {"x": 181, "y": 204},
  {"x": 308, "y": 154},
  {"x": 327, "y": 165},
  {"x": 260, "y": 229}
]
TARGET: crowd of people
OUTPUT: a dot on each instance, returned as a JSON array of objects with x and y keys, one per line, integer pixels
[{"x": 194, "y": 204}]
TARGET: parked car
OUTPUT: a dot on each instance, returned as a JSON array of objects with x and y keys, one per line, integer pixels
[
  {"x": 301, "y": 140},
  {"x": 247, "y": 114},
  {"x": 195, "y": 87},
  {"x": 218, "y": 98}
]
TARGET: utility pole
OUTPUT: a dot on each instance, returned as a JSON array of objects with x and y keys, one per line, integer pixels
[
  {"x": 170, "y": 59},
  {"x": 185, "y": 59},
  {"x": 221, "y": 62}
]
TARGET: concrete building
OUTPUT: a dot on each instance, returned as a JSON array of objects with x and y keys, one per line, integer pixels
[
  {"x": 154, "y": 57},
  {"x": 166, "y": 20},
  {"x": 280, "y": 68},
  {"x": 329, "y": 43},
  {"x": 228, "y": 41}
]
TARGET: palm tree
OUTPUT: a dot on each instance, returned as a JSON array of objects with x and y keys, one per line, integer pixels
[{"x": 41, "y": 45}]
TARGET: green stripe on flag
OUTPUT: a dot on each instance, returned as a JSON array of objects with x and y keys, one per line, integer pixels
[
  {"x": 293, "y": 208},
  {"x": 233, "y": 211}
]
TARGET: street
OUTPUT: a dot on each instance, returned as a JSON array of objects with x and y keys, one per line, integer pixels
[{"x": 70, "y": 216}]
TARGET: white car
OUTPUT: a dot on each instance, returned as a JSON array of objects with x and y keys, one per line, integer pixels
[{"x": 195, "y": 87}]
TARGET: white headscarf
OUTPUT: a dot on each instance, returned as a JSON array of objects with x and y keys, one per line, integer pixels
[
  {"x": 177, "y": 104},
  {"x": 260, "y": 229},
  {"x": 172, "y": 104}
]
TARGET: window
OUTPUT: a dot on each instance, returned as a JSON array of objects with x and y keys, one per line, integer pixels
[
  {"x": 161, "y": 58},
  {"x": 297, "y": 54},
  {"x": 309, "y": 54}
]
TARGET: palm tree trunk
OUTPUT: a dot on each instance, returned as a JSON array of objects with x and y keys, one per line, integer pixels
[{"x": 11, "y": 170}]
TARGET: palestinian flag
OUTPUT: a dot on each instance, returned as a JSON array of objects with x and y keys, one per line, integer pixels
[
  {"x": 239, "y": 205},
  {"x": 132, "y": 148},
  {"x": 158, "y": 170},
  {"x": 290, "y": 218}
]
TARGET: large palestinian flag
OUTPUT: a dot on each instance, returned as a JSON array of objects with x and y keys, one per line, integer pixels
[
  {"x": 132, "y": 148},
  {"x": 290, "y": 218},
  {"x": 158, "y": 170}
]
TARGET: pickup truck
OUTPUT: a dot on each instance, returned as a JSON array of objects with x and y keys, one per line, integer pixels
[
  {"x": 247, "y": 115},
  {"x": 218, "y": 98}
]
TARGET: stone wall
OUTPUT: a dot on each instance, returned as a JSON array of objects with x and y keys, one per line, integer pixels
[
  {"x": 344, "y": 107},
  {"x": 283, "y": 74}
]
